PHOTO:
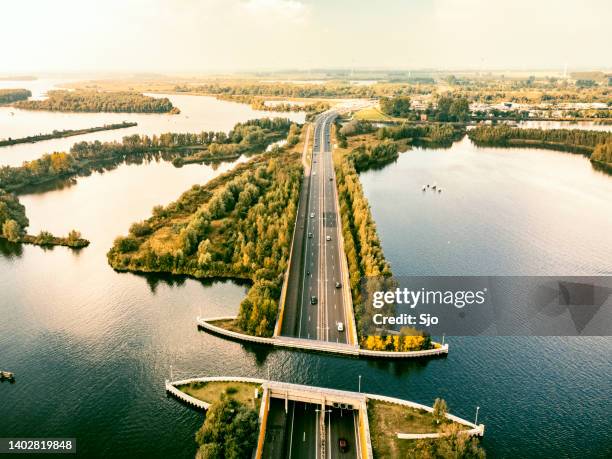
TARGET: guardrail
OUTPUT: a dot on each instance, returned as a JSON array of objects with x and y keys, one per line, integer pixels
[
  {"x": 263, "y": 422},
  {"x": 364, "y": 432}
]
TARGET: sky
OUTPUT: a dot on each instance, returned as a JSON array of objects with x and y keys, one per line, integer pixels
[{"x": 191, "y": 36}]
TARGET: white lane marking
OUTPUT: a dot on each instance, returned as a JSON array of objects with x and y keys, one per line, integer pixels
[{"x": 291, "y": 434}]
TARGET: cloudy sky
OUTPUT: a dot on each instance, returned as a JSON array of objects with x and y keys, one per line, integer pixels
[{"x": 224, "y": 35}]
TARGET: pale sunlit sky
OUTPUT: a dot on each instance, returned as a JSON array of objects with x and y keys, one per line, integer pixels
[{"x": 226, "y": 35}]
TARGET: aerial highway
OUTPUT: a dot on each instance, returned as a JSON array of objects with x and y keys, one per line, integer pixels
[{"x": 315, "y": 302}]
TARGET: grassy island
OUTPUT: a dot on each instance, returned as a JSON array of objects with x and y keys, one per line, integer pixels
[
  {"x": 238, "y": 225},
  {"x": 65, "y": 133},
  {"x": 97, "y": 101},
  {"x": 387, "y": 419},
  {"x": 8, "y": 96}
]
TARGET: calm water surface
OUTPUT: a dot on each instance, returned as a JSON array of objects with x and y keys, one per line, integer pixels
[
  {"x": 198, "y": 114},
  {"x": 91, "y": 348}
]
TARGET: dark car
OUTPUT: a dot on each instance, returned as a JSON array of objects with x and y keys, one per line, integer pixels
[
  {"x": 338, "y": 285},
  {"x": 343, "y": 445},
  {"x": 313, "y": 300}
]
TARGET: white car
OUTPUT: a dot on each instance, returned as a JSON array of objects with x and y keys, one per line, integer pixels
[
  {"x": 312, "y": 215},
  {"x": 340, "y": 327},
  {"x": 328, "y": 238}
]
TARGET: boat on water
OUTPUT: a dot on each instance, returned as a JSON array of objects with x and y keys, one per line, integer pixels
[{"x": 7, "y": 375}]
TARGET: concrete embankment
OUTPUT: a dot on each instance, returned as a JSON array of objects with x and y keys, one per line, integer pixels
[{"x": 314, "y": 345}]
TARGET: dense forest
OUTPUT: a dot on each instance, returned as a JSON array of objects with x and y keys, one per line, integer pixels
[
  {"x": 374, "y": 156},
  {"x": 85, "y": 157},
  {"x": 603, "y": 153},
  {"x": 13, "y": 95},
  {"x": 65, "y": 133},
  {"x": 574, "y": 140},
  {"x": 98, "y": 101},
  {"x": 238, "y": 225}
]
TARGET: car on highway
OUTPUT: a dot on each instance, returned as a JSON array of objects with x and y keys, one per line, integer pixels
[
  {"x": 340, "y": 327},
  {"x": 338, "y": 285},
  {"x": 314, "y": 173},
  {"x": 343, "y": 445},
  {"x": 331, "y": 179},
  {"x": 313, "y": 300},
  {"x": 310, "y": 235},
  {"x": 328, "y": 238},
  {"x": 308, "y": 273},
  {"x": 312, "y": 215}
]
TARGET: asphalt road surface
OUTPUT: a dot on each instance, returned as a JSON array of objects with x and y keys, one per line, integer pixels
[
  {"x": 314, "y": 307},
  {"x": 296, "y": 434},
  {"x": 293, "y": 435}
]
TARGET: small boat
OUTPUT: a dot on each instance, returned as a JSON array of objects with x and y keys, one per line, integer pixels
[
  {"x": 424, "y": 188},
  {"x": 439, "y": 190},
  {"x": 7, "y": 375}
]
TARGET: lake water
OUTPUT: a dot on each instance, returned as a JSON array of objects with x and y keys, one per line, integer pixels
[
  {"x": 91, "y": 347},
  {"x": 198, "y": 114}
]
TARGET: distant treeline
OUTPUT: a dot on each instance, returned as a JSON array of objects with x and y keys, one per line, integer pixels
[
  {"x": 326, "y": 90},
  {"x": 259, "y": 103},
  {"x": 13, "y": 95},
  {"x": 596, "y": 144},
  {"x": 65, "y": 133},
  {"x": 432, "y": 134},
  {"x": 98, "y": 101},
  {"x": 237, "y": 225},
  {"x": 18, "y": 78},
  {"x": 85, "y": 157}
]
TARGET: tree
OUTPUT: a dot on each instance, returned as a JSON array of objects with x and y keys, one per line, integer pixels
[
  {"x": 454, "y": 443},
  {"x": 229, "y": 431},
  {"x": 439, "y": 410},
  {"x": 11, "y": 230},
  {"x": 396, "y": 106}
]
